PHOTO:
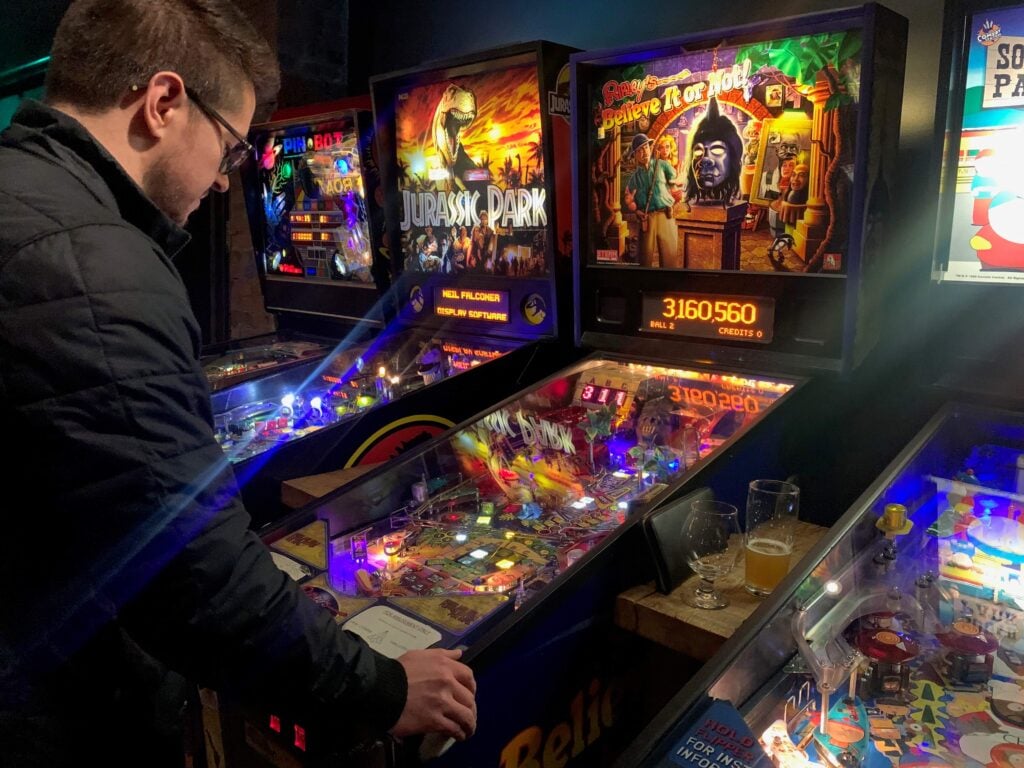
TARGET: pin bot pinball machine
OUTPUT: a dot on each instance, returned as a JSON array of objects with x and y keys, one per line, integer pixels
[
  {"x": 512, "y": 535},
  {"x": 316, "y": 227},
  {"x": 897, "y": 641},
  {"x": 475, "y": 302}
]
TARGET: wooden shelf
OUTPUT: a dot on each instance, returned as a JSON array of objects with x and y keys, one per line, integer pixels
[
  {"x": 300, "y": 491},
  {"x": 667, "y": 620}
]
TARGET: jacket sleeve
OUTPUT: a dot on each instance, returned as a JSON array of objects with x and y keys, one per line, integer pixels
[{"x": 101, "y": 381}]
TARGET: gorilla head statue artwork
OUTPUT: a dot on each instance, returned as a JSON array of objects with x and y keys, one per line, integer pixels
[{"x": 716, "y": 151}]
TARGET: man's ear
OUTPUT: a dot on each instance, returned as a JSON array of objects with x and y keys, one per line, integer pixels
[{"x": 165, "y": 104}]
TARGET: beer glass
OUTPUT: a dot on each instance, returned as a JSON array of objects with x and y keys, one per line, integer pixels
[
  {"x": 712, "y": 543},
  {"x": 772, "y": 508}
]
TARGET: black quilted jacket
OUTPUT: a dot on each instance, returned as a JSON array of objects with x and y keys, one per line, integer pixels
[{"x": 124, "y": 550}]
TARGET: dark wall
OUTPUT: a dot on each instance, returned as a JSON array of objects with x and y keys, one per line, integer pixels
[{"x": 27, "y": 30}]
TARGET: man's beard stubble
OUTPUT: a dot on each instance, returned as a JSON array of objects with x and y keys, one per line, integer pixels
[{"x": 161, "y": 185}]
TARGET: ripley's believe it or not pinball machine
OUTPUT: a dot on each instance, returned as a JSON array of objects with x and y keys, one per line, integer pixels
[
  {"x": 898, "y": 641},
  {"x": 511, "y": 535},
  {"x": 483, "y": 295}
]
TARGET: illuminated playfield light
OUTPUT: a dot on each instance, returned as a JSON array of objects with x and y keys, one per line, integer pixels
[
  {"x": 619, "y": 473},
  {"x": 510, "y": 534},
  {"x": 460, "y": 537},
  {"x": 504, "y": 564},
  {"x": 623, "y": 505},
  {"x": 483, "y": 520},
  {"x": 437, "y": 174},
  {"x": 382, "y": 371},
  {"x": 587, "y": 499},
  {"x": 479, "y": 554},
  {"x": 578, "y": 505},
  {"x": 288, "y": 400},
  {"x": 316, "y": 403},
  {"x": 395, "y": 379},
  {"x": 833, "y": 587}
]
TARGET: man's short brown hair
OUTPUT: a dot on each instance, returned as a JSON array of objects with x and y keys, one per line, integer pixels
[{"x": 103, "y": 47}]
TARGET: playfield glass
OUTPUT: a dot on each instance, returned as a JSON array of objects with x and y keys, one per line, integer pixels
[
  {"x": 337, "y": 385},
  {"x": 484, "y": 520},
  {"x": 900, "y": 641}
]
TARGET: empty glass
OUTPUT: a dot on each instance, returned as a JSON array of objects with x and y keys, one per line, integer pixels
[
  {"x": 772, "y": 508},
  {"x": 712, "y": 543}
]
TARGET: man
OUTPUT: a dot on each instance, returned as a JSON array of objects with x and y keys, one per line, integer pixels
[
  {"x": 648, "y": 195},
  {"x": 126, "y": 551}
]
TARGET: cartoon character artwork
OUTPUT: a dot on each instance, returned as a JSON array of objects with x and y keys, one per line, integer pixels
[
  {"x": 984, "y": 185},
  {"x": 1000, "y": 243},
  {"x": 734, "y": 123},
  {"x": 648, "y": 196},
  {"x": 716, "y": 153}
]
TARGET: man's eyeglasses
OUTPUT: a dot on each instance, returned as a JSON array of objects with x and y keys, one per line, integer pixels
[{"x": 235, "y": 155}]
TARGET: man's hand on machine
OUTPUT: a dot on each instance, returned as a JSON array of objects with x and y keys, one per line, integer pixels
[{"x": 442, "y": 695}]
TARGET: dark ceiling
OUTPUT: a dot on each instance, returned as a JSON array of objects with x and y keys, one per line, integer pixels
[{"x": 27, "y": 30}]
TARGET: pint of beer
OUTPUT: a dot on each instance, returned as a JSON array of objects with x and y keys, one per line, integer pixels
[
  {"x": 767, "y": 564},
  {"x": 772, "y": 509}
]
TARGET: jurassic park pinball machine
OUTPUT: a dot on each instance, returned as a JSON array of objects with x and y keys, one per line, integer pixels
[
  {"x": 470, "y": 318},
  {"x": 511, "y": 535}
]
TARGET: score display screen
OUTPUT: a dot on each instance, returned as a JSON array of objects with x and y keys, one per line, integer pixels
[
  {"x": 471, "y": 304},
  {"x": 709, "y": 316},
  {"x": 726, "y": 397},
  {"x": 603, "y": 395}
]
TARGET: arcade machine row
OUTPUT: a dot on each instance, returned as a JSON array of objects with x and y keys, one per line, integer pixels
[
  {"x": 484, "y": 295},
  {"x": 899, "y": 641},
  {"x": 512, "y": 535},
  {"x": 979, "y": 266}
]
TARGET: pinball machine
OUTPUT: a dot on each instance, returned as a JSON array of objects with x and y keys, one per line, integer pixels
[
  {"x": 973, "y": 295},
  {"x": 472, "y": 316},
  {"x": 896, "y": 641}
]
